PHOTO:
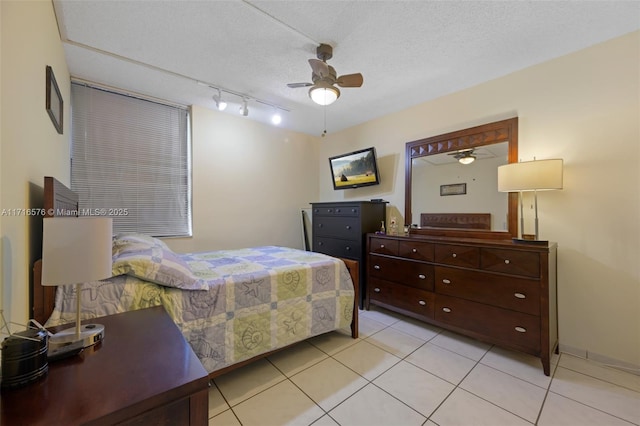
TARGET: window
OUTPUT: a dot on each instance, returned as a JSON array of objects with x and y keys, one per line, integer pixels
[{"x": 131, "y": 160}]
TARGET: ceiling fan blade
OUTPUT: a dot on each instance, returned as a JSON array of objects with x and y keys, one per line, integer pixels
[
  {"x": 319, "y": 68},
  {"x": 295, "y": 85},
  {"x": 350, "y": 80}
]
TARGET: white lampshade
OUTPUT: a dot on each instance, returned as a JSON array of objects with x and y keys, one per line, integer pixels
[
  {"x": 324, "y": 94},
  {"x": 76, "y": 250},
  {"x": 538, "y": 175}
]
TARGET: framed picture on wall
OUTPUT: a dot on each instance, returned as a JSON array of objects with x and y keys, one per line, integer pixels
[
  {"x": 54, "y": 103},
  {"x": 453, "y": 189}
]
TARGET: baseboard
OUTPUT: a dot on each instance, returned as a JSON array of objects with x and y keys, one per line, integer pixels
[{"x": 601, "y": 359}]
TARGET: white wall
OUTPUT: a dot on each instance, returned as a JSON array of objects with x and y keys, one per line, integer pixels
[
  {"x": 584, "y": 108},
  {"x": 250, "y": 182},
  {"x": 30, "y": 147}
]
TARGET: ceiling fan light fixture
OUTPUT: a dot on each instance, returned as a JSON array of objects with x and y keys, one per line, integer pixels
[
  {"x": 467, "y": 158},
  {"x": 324, "y": 94}
]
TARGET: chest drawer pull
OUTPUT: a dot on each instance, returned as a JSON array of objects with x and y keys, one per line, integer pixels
[
  {"x": 377, "y": 290},
  {"x": 520, "y": 295},
  {"x": 414, "y": 250},
  {"x": 446, "y": 281},
  {"x": 381, "y": 245},
  {"x": 348, "y": 226},
  {"x": 422, "y": 303},
  {"x": 445, "y": 309},
  {"x": 320, "y": 243},
  {"x": 507, "y": 261},
  {"x": 454, "y": 255},
  {"x": 347, "y": 248},
  {"x": 422, "y": 276},
  {"x": 330, "y": 210},
  {"x": 338, "y": 210},
  {"x": 521, "y": 329},
  {"x": 376, "y": 267}
]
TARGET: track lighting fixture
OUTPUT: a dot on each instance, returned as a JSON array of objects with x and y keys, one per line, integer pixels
[
  {"x": 276, "y": 118},
  {"x": 244, "y": 110},
  {"x": 324, "y": 93},
  {"x": 220, "y": 104}
]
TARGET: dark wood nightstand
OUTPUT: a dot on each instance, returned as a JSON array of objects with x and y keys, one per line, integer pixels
[{"x": 143, "y": 372}]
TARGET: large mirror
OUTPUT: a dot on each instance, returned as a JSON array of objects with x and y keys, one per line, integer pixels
[{"x": 451, "y": 183}]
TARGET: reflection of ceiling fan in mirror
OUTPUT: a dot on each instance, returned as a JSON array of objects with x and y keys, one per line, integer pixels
[
  {"x": 465, "y": 156},
  {"x": 324, "y": 77}
]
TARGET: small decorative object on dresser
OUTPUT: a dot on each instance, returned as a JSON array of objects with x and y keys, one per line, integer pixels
[
  {"x": 339, "y": 229},
  {"x": 492, "y": 290}
]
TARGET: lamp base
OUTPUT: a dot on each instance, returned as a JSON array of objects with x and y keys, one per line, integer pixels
[{"x": 90, "y": 334}]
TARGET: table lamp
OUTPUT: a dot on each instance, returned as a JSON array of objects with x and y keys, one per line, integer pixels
[
  {"x": 537, "y": 175},
  {"x": 76, "y": 250}
]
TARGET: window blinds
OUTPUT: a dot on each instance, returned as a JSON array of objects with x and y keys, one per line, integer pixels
[{"x": 131, "y": 161}]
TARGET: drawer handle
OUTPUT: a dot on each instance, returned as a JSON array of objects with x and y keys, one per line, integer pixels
[
  {"x": 446, "y": 281},
  {"x": 414, "y": 250},
  {"x": 320, "y": 225},
  {"x": 422, "y": 303},
  {"x": 422, "y": 276},
  {"x": 348, "y": 248},
  {"x": 446, "y": 309},
  {"x": 377, "y": 290},
  {"x": 353, "y": 210},
  {"x": 507, "y": 261},
  {"x": 381, "y": 245},
  {"x": 338, "y": 210},
  {"x": 348, "y": 226},
  {"x": 376, "y": 267},
  {"x": 521, "y": 329},
  {"x": 520, "y": 295},
  {"x": 330, "y": 210},
  {"x": 320, "y": 243},
  {"x": 454, "y": 255}
]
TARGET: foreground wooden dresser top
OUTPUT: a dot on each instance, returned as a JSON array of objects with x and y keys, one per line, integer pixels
[{"x": 143, "y": 372}]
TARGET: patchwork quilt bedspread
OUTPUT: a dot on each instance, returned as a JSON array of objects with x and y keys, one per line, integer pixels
[{"x": 257, "y": 299}]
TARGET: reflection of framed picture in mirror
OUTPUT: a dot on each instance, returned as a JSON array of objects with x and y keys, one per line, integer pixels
[
  {"x": 54, "y": 101},
  {"x": 453, "y": 189}
]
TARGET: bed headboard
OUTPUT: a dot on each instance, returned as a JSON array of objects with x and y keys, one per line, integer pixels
[
  {"x": 58, "y": 201},
  {"x": 456, "y": 220}
]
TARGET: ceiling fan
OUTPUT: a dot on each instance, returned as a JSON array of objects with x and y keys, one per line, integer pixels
[
  {"x": 464, "y": 156},
  {"x": 324, "y": 77}
]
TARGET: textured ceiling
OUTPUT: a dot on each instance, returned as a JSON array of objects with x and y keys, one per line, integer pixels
[{"x": 408, "y": 51}]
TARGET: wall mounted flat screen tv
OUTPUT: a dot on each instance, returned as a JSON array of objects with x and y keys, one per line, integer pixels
[{"x": 355, "y": 169}]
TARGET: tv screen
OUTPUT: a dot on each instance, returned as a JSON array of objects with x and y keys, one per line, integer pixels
[{"x": 355, "y": 169}]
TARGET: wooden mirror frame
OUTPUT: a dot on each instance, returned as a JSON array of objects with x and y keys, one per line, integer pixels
[{"x": 486, "y": 134}]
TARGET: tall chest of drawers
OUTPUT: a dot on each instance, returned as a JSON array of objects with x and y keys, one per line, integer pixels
[
  {"x": 340, "y": 229},
  {"x": 495, "y": 291}
]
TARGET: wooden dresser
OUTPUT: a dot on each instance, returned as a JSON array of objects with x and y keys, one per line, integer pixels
[
  {"x": 495, "y": 291},
  {"x": 340, "y": 228}
]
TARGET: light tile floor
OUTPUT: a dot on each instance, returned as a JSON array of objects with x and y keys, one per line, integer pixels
[{"x": 404, "y": 372}]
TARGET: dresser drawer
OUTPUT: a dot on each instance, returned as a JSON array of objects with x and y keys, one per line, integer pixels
[
  {"x": 403, "y": 271},
  {"x": 500, "y": 325},
  {"x": 337, "y": 247},
  {"x": 340, "y": 210},
  {"x": 518, "y": 294},
  {"x": 450, "y": 254},
  {"x": 396, "y": 295},
  {"x": 383, "y": 246},
  {"x": 514, "y": 262},
  {"x": 416, "y": 250},
  {"x": 342, "y": 227}
]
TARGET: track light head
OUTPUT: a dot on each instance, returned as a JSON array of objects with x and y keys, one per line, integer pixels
[
  {"x": 220, "y": 104},
  {"x": 244, "y": 110}
]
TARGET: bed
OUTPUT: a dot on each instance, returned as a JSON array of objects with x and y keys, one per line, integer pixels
[{"x": 232, "y": 306}]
